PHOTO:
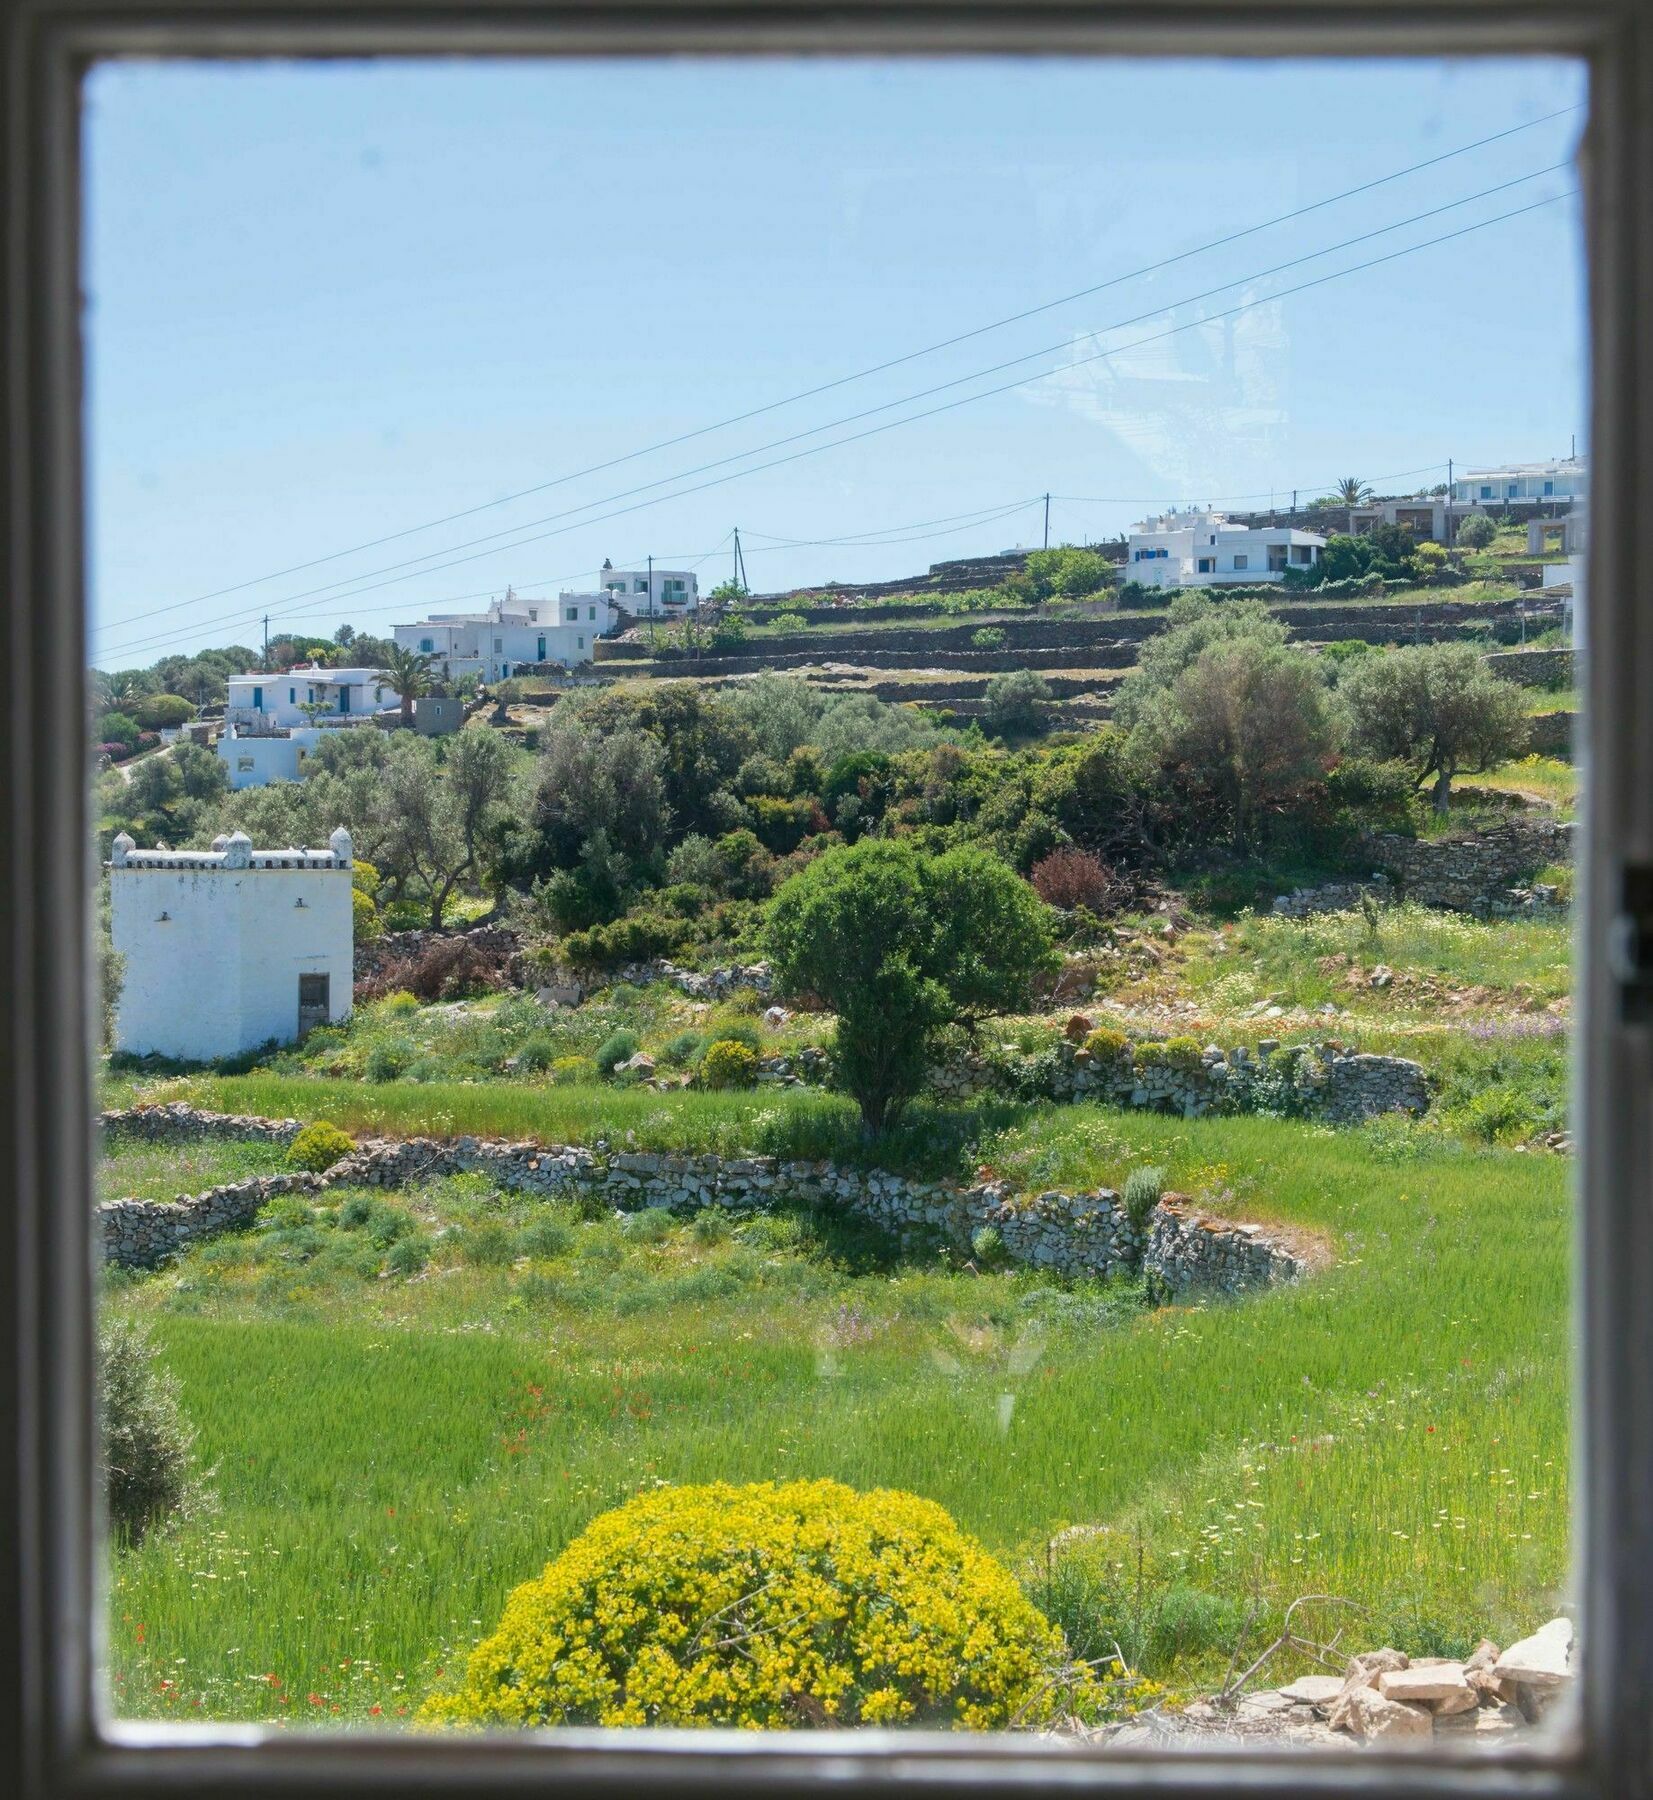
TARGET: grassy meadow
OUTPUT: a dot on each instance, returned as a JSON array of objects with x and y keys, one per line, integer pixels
[{"x": 411, "y": 1402}]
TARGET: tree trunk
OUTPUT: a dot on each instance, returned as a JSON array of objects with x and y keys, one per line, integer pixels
[
  {"x": 407, "y": 712},
  {"x": 1443, "y": 792}
]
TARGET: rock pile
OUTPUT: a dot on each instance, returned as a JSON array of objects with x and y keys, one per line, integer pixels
[
  {"x": 1475, "y": 873},
  {"x": 1383, "y": 1697}
]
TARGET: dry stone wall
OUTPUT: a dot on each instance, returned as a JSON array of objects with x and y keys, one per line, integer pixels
[
  {"x": 1316, "y": 1080},
  {"x": 1473, "y": 874},
  {"x": 1080, "y": 1234}
]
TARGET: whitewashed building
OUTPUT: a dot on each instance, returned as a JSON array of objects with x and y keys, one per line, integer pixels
[
  {"x": 255, "y": 758},
  {"x": 281, "y": 699},
  {"x": 230, "y": 948},
  {"x": 651, "y": 592},
  {"x": 1204, "y": 549},
  {"x": 1564, "y": 478},
  {"x": 512, "y": 634}
]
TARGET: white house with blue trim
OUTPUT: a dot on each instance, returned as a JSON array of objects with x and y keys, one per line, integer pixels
[
  {"x": 512, "y": 634},
  {"x": 1564, "y": 478},
  {"x": 281, "y": 699},
  {"x": 1203, "y": 549}
]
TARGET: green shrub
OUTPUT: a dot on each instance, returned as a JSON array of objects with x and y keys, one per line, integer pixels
[
  {"x": 618, "y": 1047},
  {"x": 685, "y": 1049},
  {"x": 987, "y": 1246},
  {"x": 990, "y": 637},
  {"x": 1475, "y": 532},
  {"x": 909, "y": 1621},
  {"x": 537, "y": 1052},
  {"x": 149, "y": 1466},
  {"x": 638, "y": 937},
  {"x": 391, "y": 1060},
  {"x": 727, "y": 1064},
  {"x": 408, "y": 1255},
  {"x": 573, "y": 1071},
  {"x": 1504, "y": 1114},
  {"x": 319, "y": 1146},
  {"x": 399, "y": 1004},
  {"x": 1106, "y": 1045},
  {"x": 545, "y": 1238},
  {"x": 1183, "y": 1053},
  {"x": 1143, "y": 1188},
  {"x": 489, "y": 1245}
]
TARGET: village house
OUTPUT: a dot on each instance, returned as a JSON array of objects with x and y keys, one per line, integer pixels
[
  {"x": 513, "y": 633},
  {"x": 1564, "y": 478},
  {"x": 1204, "y": 549},
  {"x": 647, "y": 593},
  {"x": 255, "y": 700},
  {"x": 256, "y": 757},
  {"x": 231, "y": 948}
]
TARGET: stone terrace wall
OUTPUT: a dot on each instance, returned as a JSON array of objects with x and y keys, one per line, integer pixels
[
  {"x": 1320, "y": 1080},
  {"x": 1068, "y": 1234},
  {"x": 1534, "y": 668},
  {"x": 1471, "y": 874}
]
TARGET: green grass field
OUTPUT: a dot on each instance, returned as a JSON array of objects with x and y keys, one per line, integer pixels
[
  {"x": 395, "y": 1451},
  {"x": 134, "y": 1170}
]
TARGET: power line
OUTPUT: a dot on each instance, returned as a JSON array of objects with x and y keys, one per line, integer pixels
[
  {"x": 1260, "y": 494},
  {"x": 985, "y": 394},
  {"x": 873, "y": 369},
  {"x": 394, "y": 570}
]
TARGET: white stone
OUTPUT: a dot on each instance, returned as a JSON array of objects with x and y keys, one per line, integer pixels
[
  {"x": 1314, "y": 1690},
  {"x": 1372, "y": 1717},
  {"x": 1539, "y": 1661}
]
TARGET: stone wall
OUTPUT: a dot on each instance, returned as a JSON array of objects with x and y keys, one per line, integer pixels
[
  {"x": 498, "y": 943},
  {"x": 1082, "y": 1234},
  {"x": 1534, "y": 668},
  {"x": 1317, "y": 1081},
  {"x": 1473, "y": 874},
  {"x": 1551, "y": 734}
]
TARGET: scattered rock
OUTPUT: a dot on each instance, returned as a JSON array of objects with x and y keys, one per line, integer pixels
[
  {"x": 1423, "y": 1683},
  {"x": 1373, "y": 1718},
  {"x": 1540, "y": 1661},
  {"x": 1314, "y": 1690}
]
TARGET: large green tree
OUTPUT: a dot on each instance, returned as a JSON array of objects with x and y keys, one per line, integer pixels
[
  {"x": 1436, "y": 707},
  {"x": 899, "y": 945},
  {"x": 1245, "y": 732}
]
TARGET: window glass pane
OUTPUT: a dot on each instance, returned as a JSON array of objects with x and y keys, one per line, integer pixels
[{"x": 959, "y": 1119}]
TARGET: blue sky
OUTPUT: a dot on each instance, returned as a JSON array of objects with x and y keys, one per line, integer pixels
[{"x": 330, "y": 303}]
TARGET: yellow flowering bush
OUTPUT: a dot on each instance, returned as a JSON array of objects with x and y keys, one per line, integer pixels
[
  {"x": 729, "y": 1064},
  {"x": 1106, "y": 1045},
  {"x": 319, "y": 1146},
  {"x": 768, "y": 1606}
]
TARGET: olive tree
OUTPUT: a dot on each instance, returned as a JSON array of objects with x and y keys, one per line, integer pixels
[
  {"x": 1242, "y": 733},
  {"x": 1437, "y": 708},
  {"x": 899, "y": 945}
]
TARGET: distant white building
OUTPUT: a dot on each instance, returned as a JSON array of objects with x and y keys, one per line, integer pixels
[
  {"x": 229, "y": 948},
  {"x": 512, "y": 633},
  {"x": 1203, "y": 549},
  {"x": 1566, "y": 478},
  {"x": 647, "y": 593},
  {"x": 256, "y": 758},
  {"x": 281, "y": 699}
]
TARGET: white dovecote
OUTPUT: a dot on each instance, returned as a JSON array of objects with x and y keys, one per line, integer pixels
[{"x": 225, "y": 950}]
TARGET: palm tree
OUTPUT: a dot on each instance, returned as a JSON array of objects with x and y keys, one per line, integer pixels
[
  {"x": 407, "y": 672},
  {"x": 1352, "y": 491}
]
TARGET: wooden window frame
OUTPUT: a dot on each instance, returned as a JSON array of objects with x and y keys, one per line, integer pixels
[{"x": 56, "y": 1743}]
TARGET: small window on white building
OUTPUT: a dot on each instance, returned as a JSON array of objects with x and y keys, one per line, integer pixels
[
  {"x": 1242, "y": 562},
  {"x": 580, "y": 642},
  {"x": 593, "y": 614},
  {"x": 243, "y": 765},
  {"x": 499, "y": 644},
  {"x": 427, "y": 645},
  {"x": 292, "y": 696},
  {"x": 533, "y": 616},
  {"x": 1207, "y": 566},
  {"x": 573, "y": 614}
]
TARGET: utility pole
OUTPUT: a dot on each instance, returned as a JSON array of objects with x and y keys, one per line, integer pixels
[
  {"x": 651, "y": 585},
  {"x": 1294, "y": 509},
  {"x": 1047, "y": 521},
  {"x": 266, "y": 641},
  {"x": 1449, "y": 500},
  {"x": 740, "y": 563}
]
